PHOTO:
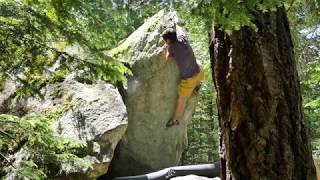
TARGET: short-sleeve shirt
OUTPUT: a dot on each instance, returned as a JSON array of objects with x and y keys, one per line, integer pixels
[{"x": 183, "y": 54}]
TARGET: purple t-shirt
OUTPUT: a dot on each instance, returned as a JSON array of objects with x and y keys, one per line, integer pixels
[{"x": 183, "y": 54}]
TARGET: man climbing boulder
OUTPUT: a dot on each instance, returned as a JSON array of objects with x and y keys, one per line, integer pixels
[{"x": 178, "y": 48}]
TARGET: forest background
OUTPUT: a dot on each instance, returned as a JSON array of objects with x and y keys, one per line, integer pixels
[{"x": 33, "y": 33}]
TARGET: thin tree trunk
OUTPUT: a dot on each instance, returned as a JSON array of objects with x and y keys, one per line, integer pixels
[
  {"x": 211, "y": 128},
  {"x": 262, "y": 132}
]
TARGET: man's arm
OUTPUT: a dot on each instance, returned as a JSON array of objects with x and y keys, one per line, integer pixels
[
  {"x": 164, "y": 55},
  {"x": 181, "y": 35},
  {"x": 178, "y": 26}
]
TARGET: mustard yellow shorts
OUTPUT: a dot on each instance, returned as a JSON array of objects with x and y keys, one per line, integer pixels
[{"x": 186, "y": 86}]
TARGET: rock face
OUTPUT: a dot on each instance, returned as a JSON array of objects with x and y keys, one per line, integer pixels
[
  {"x": 94, "y": 113},
  {"x": 150, "y": 99}
]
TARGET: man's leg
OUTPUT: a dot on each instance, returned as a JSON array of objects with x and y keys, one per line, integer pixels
[
  {"x": 184, "y": 92},
  {"x": 180, "y": 103},
  {"x": 186, "y": 88}
]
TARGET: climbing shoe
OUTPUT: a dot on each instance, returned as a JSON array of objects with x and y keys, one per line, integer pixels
[{"x": 171, "y": 123}]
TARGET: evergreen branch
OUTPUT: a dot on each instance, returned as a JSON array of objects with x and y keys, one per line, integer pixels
[
  {"x": 1, "y": 131},
  {"x": 6, "y": 159},
  {"x": 291, "y": 5},
  {"x": 8, "y": 121}
]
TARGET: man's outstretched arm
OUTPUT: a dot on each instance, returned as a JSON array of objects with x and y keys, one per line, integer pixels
[
  {"x": 164, "y": 55},
  {"x": 178, "y": 25},
  {"x": 181, "y": 35}
]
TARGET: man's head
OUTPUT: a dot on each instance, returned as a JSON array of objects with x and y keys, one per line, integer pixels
[{"x": 169, "y": 36}]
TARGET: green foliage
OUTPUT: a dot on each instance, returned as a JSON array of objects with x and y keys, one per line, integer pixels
[
  {"x": 231, "y": 15},
  {"x": 29, "y": 170},
  {"x": 31, "y": 31},
  {"x": 310, "y": 86},
  {"x": 203, "y": 130},
  {"x": 46, "y": 154},
  {"x": 55, "y": 113},
  {"x": 304, "y": 13},
  {"x": 305, "y": 20}
]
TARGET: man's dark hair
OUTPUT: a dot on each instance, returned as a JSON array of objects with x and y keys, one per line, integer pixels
[{"x": 170, "y": 34}]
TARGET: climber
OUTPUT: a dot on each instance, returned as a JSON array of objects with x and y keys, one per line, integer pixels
[{"x": 178, "y": 48}]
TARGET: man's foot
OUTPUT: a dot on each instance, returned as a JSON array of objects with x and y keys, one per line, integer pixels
[{"x": 172, "y": 122}]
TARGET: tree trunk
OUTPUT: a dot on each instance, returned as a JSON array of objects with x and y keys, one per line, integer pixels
[{"x": 263, "y": 135}]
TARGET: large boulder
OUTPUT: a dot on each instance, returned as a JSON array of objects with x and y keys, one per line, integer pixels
[
  {"x": 94, "y": 113},
  {"x": 150, "y": 98}
]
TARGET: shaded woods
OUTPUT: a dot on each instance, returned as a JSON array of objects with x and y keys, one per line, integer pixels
[{"x": 259, "y": 102}]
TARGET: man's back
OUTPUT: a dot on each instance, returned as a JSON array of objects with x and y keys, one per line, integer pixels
[{"x": 182, "y": 52}]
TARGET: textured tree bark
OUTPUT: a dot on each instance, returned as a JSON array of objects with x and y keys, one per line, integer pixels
[{"x": 262, "y": 132}]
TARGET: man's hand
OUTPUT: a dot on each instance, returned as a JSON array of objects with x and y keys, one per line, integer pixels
[
  {"x": 176, "y": 21},
  {"x": 164, "y": 55}
]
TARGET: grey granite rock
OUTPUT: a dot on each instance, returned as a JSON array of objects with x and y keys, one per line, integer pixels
[
  {"x": 150, "y": 99},
  {"x": 94, "y": 113}
]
